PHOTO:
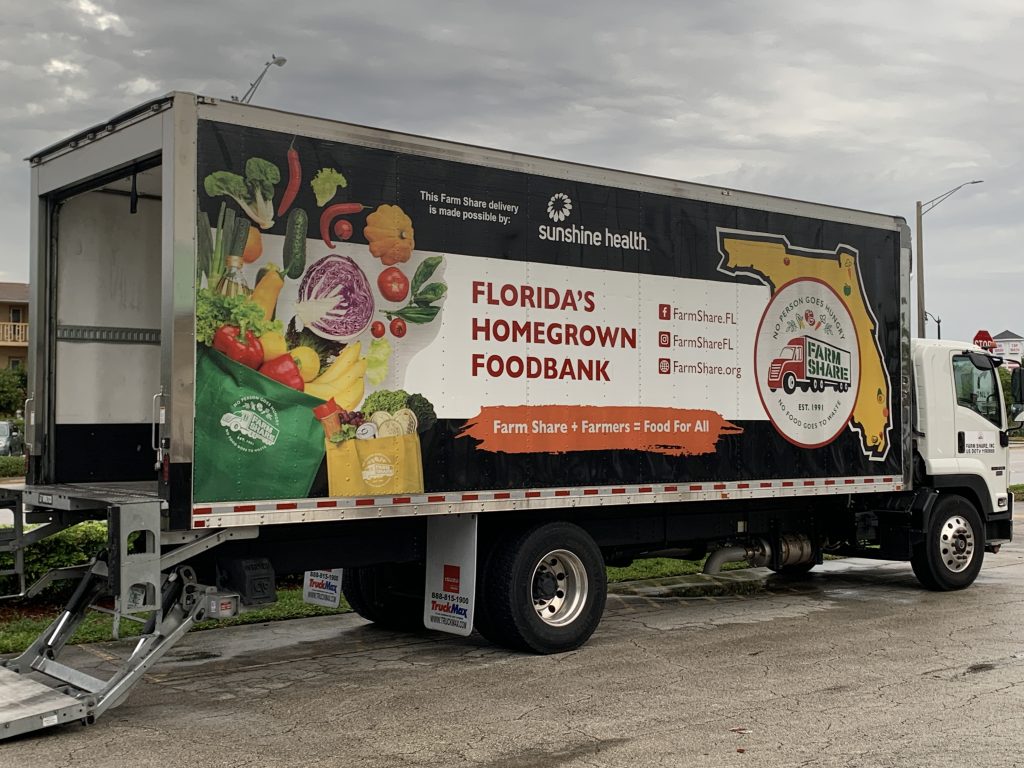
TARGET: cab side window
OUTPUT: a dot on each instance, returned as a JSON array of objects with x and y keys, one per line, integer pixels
[{"x": 977, "y": 389}]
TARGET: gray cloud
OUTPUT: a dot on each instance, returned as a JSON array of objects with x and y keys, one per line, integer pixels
[{"x": 872, "y": 105}]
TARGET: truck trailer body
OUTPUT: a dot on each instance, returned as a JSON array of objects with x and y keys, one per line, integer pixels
[{"x": 454, "y": 383}]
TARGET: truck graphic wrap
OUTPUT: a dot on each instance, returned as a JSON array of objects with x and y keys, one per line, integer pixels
[
  {"x": 823, "y": 292},
  {"x": 423, "y": 325}
]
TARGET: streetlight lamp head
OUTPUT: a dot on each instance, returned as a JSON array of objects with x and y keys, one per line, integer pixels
[{"x": 281, "y": 61}]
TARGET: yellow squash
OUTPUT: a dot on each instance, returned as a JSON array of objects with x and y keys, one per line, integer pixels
[{"x": 390, "y": 235}]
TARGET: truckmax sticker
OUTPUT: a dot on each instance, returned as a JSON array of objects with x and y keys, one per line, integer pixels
[{"x": 818, "y": 298}]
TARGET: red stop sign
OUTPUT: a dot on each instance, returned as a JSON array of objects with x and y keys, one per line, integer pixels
[{"x": 984, "y": 340}]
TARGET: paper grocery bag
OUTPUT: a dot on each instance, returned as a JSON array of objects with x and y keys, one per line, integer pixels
[
  {"x": 384, "y": 466},
  {"x": 255, "y": 438}
]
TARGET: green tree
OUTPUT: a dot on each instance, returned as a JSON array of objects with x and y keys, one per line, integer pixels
[{"x": 13, "y": 382}]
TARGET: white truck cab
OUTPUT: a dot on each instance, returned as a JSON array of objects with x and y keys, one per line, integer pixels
[{"x": 961, "y": 424}]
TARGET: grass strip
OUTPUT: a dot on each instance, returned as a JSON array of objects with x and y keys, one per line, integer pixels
[{"x": 21, "y": 624}]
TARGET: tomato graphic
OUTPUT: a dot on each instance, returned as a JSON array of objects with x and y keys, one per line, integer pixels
[
  {"x": 393, "y": 284},
  {"x": 377, "y": 329},
  {"x": 397, "y": 327}
]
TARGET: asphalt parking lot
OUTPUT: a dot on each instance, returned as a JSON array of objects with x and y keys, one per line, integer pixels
[{"x": 857, "y": 666}]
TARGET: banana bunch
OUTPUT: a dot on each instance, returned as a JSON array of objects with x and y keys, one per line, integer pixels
[{"x": 343, "y": 379}]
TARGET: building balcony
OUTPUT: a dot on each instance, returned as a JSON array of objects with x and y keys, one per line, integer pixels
[{"x": 14, "y": 334}]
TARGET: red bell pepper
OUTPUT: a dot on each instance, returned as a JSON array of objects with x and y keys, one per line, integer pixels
[
  {"x": 284, "y": 370},
  {"x": 248, "y": 351}
]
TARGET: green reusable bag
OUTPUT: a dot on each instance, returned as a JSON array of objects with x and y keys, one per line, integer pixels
[{"x": 255, "y": 438}]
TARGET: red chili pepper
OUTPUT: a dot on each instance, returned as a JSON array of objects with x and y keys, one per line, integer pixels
[
  {"x": 284, "y": 370},
  {"x": 294, "y": 179},
  {"x": 332, "y": 212},
  {"x": 247, "y": 351},
  {"x": 343, "y": 228}
]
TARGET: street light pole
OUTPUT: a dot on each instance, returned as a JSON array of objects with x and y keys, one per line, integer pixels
[
  {"x": 922, "y": 209},
  {"x": 277, "y": 61},
  {"x": 938, "y": 324}
]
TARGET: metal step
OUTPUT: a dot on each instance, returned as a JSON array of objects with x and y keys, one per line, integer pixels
[{"x": 27, "y": 705}]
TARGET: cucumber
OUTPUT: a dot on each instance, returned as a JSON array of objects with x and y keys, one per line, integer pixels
[{"x": 294, "y": 256}]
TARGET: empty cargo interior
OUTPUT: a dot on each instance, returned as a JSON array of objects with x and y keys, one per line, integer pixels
[{"x": 106, "y": 268}]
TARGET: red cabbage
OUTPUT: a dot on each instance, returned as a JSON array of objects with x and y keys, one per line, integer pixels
[{"x": 335, "y": 301}]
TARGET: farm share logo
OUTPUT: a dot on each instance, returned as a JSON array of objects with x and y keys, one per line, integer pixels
[{"x": 807, "y": 363}]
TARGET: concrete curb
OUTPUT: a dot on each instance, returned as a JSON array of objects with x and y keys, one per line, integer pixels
[{"x": 742, "y": 582}]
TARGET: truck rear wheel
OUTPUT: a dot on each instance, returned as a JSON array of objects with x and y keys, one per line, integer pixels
[
  {"x": 390, "y": 596},
  {"x": 544, "y": 590},
  {"x": 951, "y": 555}
]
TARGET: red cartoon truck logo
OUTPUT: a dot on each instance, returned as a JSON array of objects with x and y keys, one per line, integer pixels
[{"x": 810, "y": 364}]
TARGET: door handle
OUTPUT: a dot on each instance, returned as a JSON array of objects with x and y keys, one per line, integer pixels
[
  {"x": 1004, "y": 439},
  {"x": 961, "y": 442}
]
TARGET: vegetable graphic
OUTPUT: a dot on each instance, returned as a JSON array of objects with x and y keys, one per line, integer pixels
[
  {"x": 267, "y": 289},
  {"x": 294, "y": 179},
  {"x": 398, "y": 327},
  {"x": 393, "y": 284},
  {"x": 385, "y": 403},
  {"x": 295, "y": 243},
  {"x": 329, "y": 214},
  {"x": 214, "y": 310},
  {"x": 254, "y": 193},
  {"x": 274, "y": 345},
  {"x": 253, "y": 246},
  {"x": 325, "y": 185},
  {"x": 377, "y": 361},
  {"x": 343, "y": 229},
  {"x": 334, "y": 299},
  {"x": 422, "y": 306},
  {"x": 390, "y": 235},
  {"x": 284, "y": 370},
  {"x": 308, "y": 361},
  {"x": 246, "y": 349}
]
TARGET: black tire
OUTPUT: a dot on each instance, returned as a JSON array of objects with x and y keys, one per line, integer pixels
[
  {"x": 789, "y": 383},
  {"x": 951, "y": 555},
  {"x": 352, "y": 589},
  {"x": 554, "y": 569},
  {"x": 391, "y": 596}
]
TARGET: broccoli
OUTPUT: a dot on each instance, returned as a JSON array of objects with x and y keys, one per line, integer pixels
[{"x": 386, "y": 400}]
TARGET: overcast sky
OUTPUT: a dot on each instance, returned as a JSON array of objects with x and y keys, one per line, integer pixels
[{"x": 869, "y": 105}]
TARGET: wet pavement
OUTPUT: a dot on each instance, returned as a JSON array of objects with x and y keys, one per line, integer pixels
[{"x": 855, "y": 666}]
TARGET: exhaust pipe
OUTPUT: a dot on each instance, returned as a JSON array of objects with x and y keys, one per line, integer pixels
[
  {"x": 793, "y": 549},
  {"x": 759, "y": 553}
]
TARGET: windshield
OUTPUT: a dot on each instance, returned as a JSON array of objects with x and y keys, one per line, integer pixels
[{"x": 4, "y": 430}]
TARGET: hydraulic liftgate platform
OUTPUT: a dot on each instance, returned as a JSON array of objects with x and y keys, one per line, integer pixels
[{"x": 143, "y": 574}]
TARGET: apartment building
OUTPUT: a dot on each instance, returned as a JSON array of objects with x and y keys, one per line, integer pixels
[{"x": 13, "y": 324}]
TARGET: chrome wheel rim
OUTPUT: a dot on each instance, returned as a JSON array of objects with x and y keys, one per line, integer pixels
[
  {"x": 559, "y": 588},
  {"x": 956, "y": 544}
]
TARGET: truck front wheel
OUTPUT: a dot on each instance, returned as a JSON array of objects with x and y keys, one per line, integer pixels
[
  {"x": 951, "y": 555},
  {"x": 544, "y": 590},
  {"x": 789, "y": 383}
]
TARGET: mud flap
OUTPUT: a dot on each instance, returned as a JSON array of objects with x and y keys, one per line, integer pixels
[{"x": 451, "y": 574}]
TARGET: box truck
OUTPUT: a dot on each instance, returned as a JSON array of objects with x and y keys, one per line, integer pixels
[{"x": 454, "y": 383}]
